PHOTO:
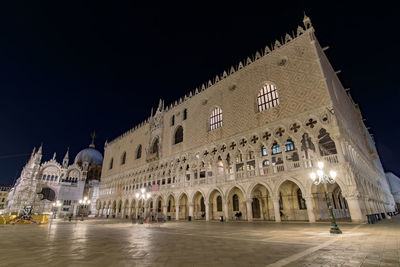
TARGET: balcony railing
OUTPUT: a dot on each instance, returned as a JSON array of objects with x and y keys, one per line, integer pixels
[{"x": 246, "y": 174}]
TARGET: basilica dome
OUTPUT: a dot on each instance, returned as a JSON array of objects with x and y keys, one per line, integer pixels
[{"x": 92, "y": 155}]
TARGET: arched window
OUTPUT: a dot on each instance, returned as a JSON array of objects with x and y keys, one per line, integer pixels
[
  {"x": 216, "y": 118},
  {"x": 326, "y": 144},
  {"x": 219, "y": 203},
  {"x": 185, "y": 114},
  {"x": 139, "y": 152},
  {"x": 154, "y": 148},
  {"x": 289, "y": 145},
  {"x": 235, "y": 202},
  {"x": 301, "y": 201},
  {"x": 123, "y": 158},
  {"x": 178, "y": 135},
  {"x": 111, "y": 163},
  {"x": 173, "y": 120},
  {"x": 276, "y": 148},
  {"x": 267, "y": 97},
  {"x": 264, "y": 151}
]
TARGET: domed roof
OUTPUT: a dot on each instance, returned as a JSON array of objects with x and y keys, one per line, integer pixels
[{"x": 91, "y": 155}]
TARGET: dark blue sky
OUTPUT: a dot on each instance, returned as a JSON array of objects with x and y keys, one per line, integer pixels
[{"x": 67, "y": 69}]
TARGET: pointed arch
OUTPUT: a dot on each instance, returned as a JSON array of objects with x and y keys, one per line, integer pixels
[
  {"x": 178, "y": 136},
  {"x": 267, "y": 97},
  {"x": 123, "y": 158},
  {"x": 139, "y": 152}
]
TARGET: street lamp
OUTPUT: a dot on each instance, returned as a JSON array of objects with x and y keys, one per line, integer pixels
[
  {"x": 83, "y": 204},
  {"x": 321, "y": 178},
  {"x": 143, "y": 196}
]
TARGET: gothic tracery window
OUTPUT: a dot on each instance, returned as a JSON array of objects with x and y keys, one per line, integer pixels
[
  {"x": 276, "y": 148},
  {"x": 216, "y": 118},
  {"x": 289, "y": 145},
  {"x": 267, "y": 97}
]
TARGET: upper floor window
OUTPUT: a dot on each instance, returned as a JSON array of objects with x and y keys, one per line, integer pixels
[
  {"x": 216, "y": 118},
  {"x": 139, "y": 152},
  {"x": 123, "y": 158},
  {"x": 185, "y": 114},
  {"x": 276, "y": 148},
  {"x": 173, "y": 120},
  {"x": 267, "y": 97},
  {"x": 111, "y": 163},
  {"x": 178, "y": 138},
  {"x": 289, "y": 145},
  {"x": 264, "y": 151},
  {"x": 154, "y": 148}
]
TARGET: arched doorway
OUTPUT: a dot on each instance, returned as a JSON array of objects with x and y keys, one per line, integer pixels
[
  {"x": 292, "y": 204},
  {"x": 171, "y": 207},
  {"x": 216, "y": 205},
  {"x": 183, "y": 207},
  {"x": 126, "y": 209},
  {"x": 199, "y": 209},
  {"x": 262, "y": 204},
  {"x": 338, "y": 202},
  {"x": 236, "y": 204},
  {"x": 114, "y": 208},
  {"x": 133, "y": 209}
]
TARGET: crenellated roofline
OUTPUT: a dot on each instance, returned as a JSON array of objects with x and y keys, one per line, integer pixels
[{"x": 226, "y": 73}]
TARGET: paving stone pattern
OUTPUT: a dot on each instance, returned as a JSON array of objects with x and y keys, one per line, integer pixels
[{"x": 120, "y": 243}]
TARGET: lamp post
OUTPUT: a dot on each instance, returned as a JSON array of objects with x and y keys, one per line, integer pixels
[
  {"x": 83, "y": 203},
  {"x": 321, "y": 178},
  {"x": 143, "y": 196},
  {"x": 56, "y": 205}
]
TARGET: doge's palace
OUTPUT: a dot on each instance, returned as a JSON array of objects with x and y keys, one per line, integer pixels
[{"x": 243, "y": 145}]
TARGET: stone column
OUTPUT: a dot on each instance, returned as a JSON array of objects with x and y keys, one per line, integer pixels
[
  {"x": 191, "y": 206},
  {"x": 276, "y": 209},
  {"x": 165, "y": 208},
  {"x": 177, "y": 212},
  {"x": 137, "y": 211},
  {"x": 249, "y": 210},
  {"x": 355, "y": 210},
  {"x": 310, "y": 209},
  {"x": 226, "y": 210},
  {"x": 207, "y": 204}
]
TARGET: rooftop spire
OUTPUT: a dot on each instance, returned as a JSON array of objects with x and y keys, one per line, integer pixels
[
  {"x": 33, "y": 152},
  {"x": 306, "y": 21},
  {"x": 67, "y": 154},
  {"x": 93, "y": 135},
  {"x": 40, "y": 149}
]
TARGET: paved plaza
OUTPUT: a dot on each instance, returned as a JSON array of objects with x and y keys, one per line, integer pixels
[{"x": 120, "y": 243}]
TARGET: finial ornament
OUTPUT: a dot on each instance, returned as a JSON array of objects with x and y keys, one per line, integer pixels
[
  {"x": 306, "y": 21},
  {"x": 93, "y": 135}
]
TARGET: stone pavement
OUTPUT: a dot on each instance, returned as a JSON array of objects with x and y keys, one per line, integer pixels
[{"x": 120, "y": 243}]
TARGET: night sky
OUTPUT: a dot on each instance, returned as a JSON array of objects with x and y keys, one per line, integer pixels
[{"x": 67, "y": 69}]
